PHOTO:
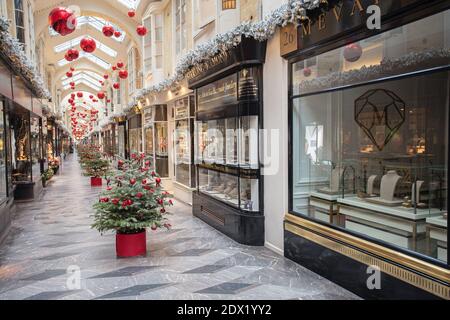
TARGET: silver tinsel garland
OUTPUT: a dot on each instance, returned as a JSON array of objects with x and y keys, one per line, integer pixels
[
  {"x": 261, "y": 30},
  {"x": 12, "y": 50}
]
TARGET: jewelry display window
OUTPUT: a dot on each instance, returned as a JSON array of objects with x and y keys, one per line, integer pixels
[{"x": 370, "y": 137}]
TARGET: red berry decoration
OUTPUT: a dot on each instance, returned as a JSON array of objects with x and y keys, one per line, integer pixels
[
  {"x": 120, "y": 65},
  {"x": 123, "y": 74},
  {"x": 132, "y": 181},
  {"x": 88, "y": 45},
  {"x": 108, "y": 31},
  {"x": 80, "y": 94},
  {"x": 116, "y": 85},
  {"x": 141, "y": 30},
  {"x": 117, "y": 34},
  {"x": 101, "y": 95},
  {"x": 131, "y": 13},
  {"x": 62, "y": 20},
  {"x": 353, "y": 52}
]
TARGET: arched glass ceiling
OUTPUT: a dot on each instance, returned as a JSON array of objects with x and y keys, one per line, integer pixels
[
  {"x": 91, "y": 57},
  {"x": 92, "y": 74},
  {"x": 131, "y": 4},
  {"x": 85, "y": 82},
  {"x": 81, "y": 76},
  {"x": 97, "y": 23},
  {"x": 76, "y": 42}
]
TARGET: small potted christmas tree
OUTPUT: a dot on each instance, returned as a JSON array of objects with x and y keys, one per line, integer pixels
[
  {"x": 96, "y": 169},
  {"x": 133, "y": 201}
]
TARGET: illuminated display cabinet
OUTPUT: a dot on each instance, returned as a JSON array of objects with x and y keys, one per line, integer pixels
[{"x": 228, "y": 119}]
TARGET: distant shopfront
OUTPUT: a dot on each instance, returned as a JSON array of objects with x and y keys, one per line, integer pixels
[{"x": 369, "y": 132}]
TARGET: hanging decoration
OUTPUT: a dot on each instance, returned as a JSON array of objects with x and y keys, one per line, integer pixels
[
  {"x": 117, "y": 34},
  {"x": 69, "y": 74},
  {"x": 123, "y": 74},
  {"x": 62, "y": 20},
  {"x": 116, "y": 86},
  {"x": 80, "y": 94},
  {"x": 106, "y": 77},
  {"x": 88, "y": 45},
  {"x": 141, "y": 30},
  {"x": 72, "y": 54},
  {"x": 353, "y": 52},
  {"x": 120, "y": 65},
  {"x": 131, "y": 13},
  {"x": 108, "y": 31},
  {"x": 101, "y": 95}
]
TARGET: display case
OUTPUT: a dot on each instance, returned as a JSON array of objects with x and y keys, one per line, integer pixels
[
  {"x": 184, "y": 110},
  {"x": 135, "y": 134},
  {"x": 156, "y": 138},
  {"x": 36, "y": 148},
  {"x": 228, "y": 119}
]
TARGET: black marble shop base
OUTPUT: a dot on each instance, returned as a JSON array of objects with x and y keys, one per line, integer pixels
[
  {"x": 24, "y": 191},
  {"x": 346, "y": 272},
  {"x": 244, "y": 229}
]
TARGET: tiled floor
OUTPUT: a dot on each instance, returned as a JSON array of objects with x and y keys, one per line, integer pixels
[{"x": 51, "y": 243}]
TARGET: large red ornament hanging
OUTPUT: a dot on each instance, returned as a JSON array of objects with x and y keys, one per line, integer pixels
[
  {"x": 131, "y": 13},
  {"x": 68, "y": 58},
  {"x": 88, "y": 45},
  {"x": 123, "y": 74},
  {"x": 101, "y": 95},
  {"x": 108, "y": 31},
  {"x": 116, "y": 86},
  {"x": 141, "y": 30},
  {"x": 62, "y": 20},
  {"x": 353, "y": 52}
]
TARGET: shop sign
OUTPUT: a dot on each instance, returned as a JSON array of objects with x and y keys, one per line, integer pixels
[
  {"x": 218, "y": 93},
  {"x": 342, "y": 16},
  {"x": 181, "y": 108}
]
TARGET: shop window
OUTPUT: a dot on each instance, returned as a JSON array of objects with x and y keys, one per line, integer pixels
[
  {"x": 159, "y": 21},
  {"x": 370, "y": 131},
  {"x": 20, "y": 20},
  {"x": 180, "y": 27},
  {"x": 3, "y": 160},
  {"x": 148, "y": 46},
  {"x": 36, "y": 148},
  {"x": 3, "y": 9},
  {"x": 228, "y": 4}
]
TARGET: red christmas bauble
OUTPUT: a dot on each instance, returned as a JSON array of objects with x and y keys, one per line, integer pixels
[
  {"x": 131, "y": 13},
  {"x": 108, "y": 101},
  {"x": 307, "y": 72},
  {"x": 108, "y": 31},
  {"x": 73, "y": 54},
  {"x": 106, "y": 77},
  {"x": 117, "y": 34},
  {"x": 68, "y": 58},
  {"x": 62, "y": 20},
  {"x": 141, "y": 30},
  {"x": 70, "y": 101},
  {"x": 123, "y": 74},
  {"x": 120, "y": 65},
  {"x": 353, "y": 52},
  {"x": 88, "y": 45},
  {"x": 114, "y": 68},
  {"x": 101, "y": 95},
  {"x": 72, "y": 69},
  {"x": 80, "y": 94},
  {"x": 69, "y": 74},
  {"x": 72, "y": 84},
  {"x": 72, "y": 95},
  {"x": 116, "y": 85}
]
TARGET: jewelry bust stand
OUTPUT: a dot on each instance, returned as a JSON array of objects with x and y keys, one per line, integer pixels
[
  {"x": 335, "y": 179},
  {"x": 370, "y": 184},
  {"x": 389, "y": 183}
]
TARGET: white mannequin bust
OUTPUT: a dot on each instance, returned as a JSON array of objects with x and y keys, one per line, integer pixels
[
  {"x": 388, "y": 185},
  {"x": 370, "y": 184},
  {"x": 415, "y": 192}
]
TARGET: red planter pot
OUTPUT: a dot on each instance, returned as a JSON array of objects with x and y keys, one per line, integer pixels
[
  {"x": 131, "y": 245},
  {"x": 96, "y": 182}
]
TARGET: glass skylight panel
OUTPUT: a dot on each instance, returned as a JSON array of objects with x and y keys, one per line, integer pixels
[
  {"x": 80, "y": 76},
  {"x": 85, "y": 82},
  {"x": 131, "y": 4},
  {"x": 76, "y": 42},
  {"x": 99, "y": 23},
  {"x": 93, "y": 58}
]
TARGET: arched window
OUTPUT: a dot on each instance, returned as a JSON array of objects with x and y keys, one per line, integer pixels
[{"x": 228, "y": 4}]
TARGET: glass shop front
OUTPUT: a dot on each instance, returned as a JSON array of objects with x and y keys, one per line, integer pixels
[
  {"x": 135, "y": 134},
  {"x": 369, "y": 132}
]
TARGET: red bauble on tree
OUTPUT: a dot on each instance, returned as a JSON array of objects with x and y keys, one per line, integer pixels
[
  {"x": 141, "y": 30},
  {"x": 62, "y": 20},
  {"x": 101, "y": 95},
  {"x": 123, "y": 74},
  {"x": 353, "y": 52},
  {"x": 88, "y": 45},
  {"x": 117, "y": 34},
  {"x": 131, "y": 13},
  {"x": 108, "y": 31},
  {"x": 116, "y": 86}
]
